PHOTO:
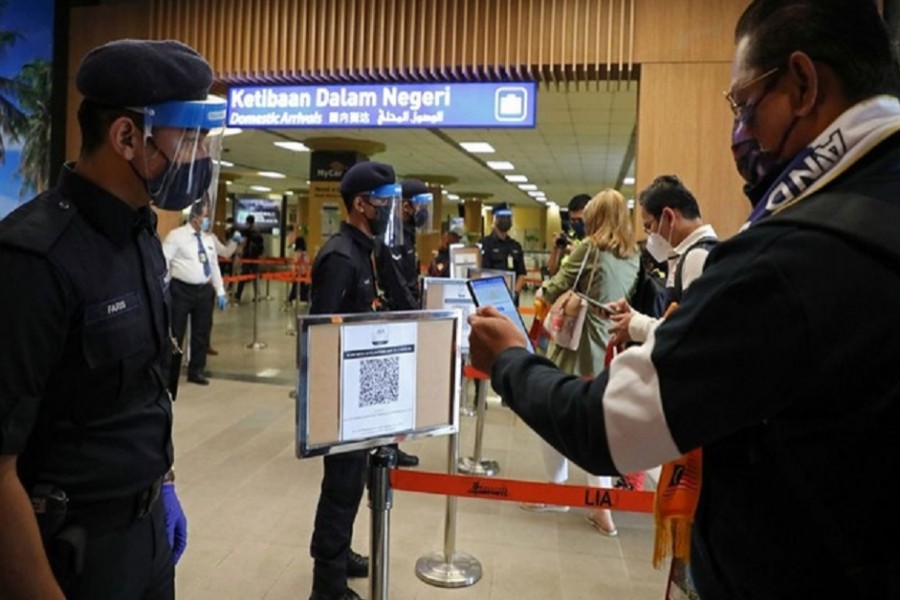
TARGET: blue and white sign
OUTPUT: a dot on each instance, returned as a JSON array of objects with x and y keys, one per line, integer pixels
[{"x": 383, "y": 105}]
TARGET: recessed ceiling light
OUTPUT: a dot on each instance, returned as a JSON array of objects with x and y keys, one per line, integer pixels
[
  {"x": 260, "y": 188},
  {"x": 537, "y": 194},
  {"x": 224, "y": 163},
  {"x": 500, "y": 165},
  {"x": 525, "y": 187},
  {"x": 233, "y": 130},
  {"x": 453, "y": 196},
  {"x": 516, "y": 178},
  {"x": 628, "y": 180},
  {"x": 271, "y": 174},
  {"x": 228, "y": 182},
  {"x": 477, "y": 147},
  {"x": 289, "y": 193},
  {"x": 552, "y": 205},
  {"x": 293, "y": 146}
]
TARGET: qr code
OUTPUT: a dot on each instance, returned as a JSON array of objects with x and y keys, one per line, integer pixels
[{"x": 379, "y": 381}]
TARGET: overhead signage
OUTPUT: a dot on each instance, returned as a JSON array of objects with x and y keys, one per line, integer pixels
[{"x": 495, "y": 105}]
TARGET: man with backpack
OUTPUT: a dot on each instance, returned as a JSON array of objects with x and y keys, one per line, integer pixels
[
  {"x": 676, "y": 235},
  {"x": 254, "y": 246}
]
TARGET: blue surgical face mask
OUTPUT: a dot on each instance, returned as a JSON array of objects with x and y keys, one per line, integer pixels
[
  {"x": 578, "y": 228},
  {"x": 204, "y": 224}
]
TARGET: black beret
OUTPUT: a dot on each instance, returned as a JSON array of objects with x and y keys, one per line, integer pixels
[
  {"x": 501, "y": 210},
  {"x": 413, "y": 187},
  {"x": 366, "y": 176},
  {"x": 126, "y": 73}
]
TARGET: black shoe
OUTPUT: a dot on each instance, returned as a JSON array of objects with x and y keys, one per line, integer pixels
[
  {"x": 348, "y": 594},
  {"x": 406, "y": 460},
  {"x": 357, "y": 565},
  {"x": 198, "y": 378}
]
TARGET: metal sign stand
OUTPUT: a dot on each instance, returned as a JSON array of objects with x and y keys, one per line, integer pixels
[
  {"x": 476, "y": 465},
  {"x": 449, "y": 569},
  {"x": 381, "y": 500}
]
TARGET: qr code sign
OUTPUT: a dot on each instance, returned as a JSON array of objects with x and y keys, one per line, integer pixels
[{"x": 379, "y": 381}]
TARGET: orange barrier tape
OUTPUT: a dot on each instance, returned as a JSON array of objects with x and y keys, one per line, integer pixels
[
  {"x": 235, "y": 278},
  {"x": 470, "y": 372},
  {"x": 526, "y": 310},
  {"x": 511, "y": 490},
  {"x": 265, "y": 261},
  {"x": 287, "y": 277}
]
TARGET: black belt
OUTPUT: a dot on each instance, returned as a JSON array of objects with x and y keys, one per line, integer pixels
[
  {"x": 190, "y": 285},
  {"x": 106, "y": 516}
]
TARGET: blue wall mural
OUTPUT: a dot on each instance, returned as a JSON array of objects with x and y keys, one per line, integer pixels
[{"x": 26, "y": 54}]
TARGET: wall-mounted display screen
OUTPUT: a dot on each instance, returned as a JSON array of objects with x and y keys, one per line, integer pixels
[{"x": 267, "y": 213}]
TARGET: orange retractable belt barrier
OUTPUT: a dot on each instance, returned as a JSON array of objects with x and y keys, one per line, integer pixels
[
  {"x": 470, "y": 372},
  {"x": 235, "y": 278},
  {"x": 286, "y": 276},
  {"x": 264, "y": 261},
  {"x": 511, "y": 490}
]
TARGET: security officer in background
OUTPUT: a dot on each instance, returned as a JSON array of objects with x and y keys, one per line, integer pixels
[
  {"x": 343, "y": 281},
  {"x": 398, "y": 269},
  {"x": 572, "y": 233},
  {"x": 195, "y": 283},
  {"x": 85, "y": 414},
  {"x": 499, "y": 251}
]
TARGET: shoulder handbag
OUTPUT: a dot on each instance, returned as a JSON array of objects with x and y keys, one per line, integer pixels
[{"x": 565, "y": 321}]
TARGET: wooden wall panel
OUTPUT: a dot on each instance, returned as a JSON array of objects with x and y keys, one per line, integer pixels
[
  {"x": 430, "y": 40},
  {"x": 686, "y": 30},
  {"x": 684, "y": 128}
]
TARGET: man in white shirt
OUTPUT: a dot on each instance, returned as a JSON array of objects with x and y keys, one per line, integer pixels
[
  {"x": 676, "y": 234},
  {"x": 195, "y": 281}
]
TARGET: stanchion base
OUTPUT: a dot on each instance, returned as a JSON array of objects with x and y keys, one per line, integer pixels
[
  {"x": 463, "y": 570},
  {"x": 257, "y": 345},
  {"x": 485, "y": 467}
]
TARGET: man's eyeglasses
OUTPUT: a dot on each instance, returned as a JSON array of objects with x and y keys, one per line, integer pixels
[{"x": 737, "y": 108}]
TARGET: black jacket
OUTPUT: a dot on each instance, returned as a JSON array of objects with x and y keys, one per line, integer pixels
[
  {"x": 343, "y": 280},
  {"x": 85, "y": 343},
  {"x": 781, "y": 363},
  {"x": 398, "y": 272}
]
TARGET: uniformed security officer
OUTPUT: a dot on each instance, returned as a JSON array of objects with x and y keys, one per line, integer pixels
[
  {"x": 398, "y": 268},
  {"x": 343, "y": 281},
  {"x": 85, "y": 414},
  {"x": 499, "y": 251}
]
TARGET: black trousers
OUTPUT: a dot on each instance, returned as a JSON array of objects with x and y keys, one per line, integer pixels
[
  {"x": 195, "y": 301},
  {"x": 130, "y": 564},
  {"x": 343, "y": 483},
  {"x": 248, "y": 269}
]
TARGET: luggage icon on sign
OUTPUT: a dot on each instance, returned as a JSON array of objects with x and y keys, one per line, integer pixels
[{"x": 511, "y": 103}]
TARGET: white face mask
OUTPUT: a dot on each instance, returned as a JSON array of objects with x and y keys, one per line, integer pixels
[{"x": 660, "y": 248}]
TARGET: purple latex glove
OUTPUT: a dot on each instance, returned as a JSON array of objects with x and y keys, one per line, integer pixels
[{"x": 176, "y": 522}]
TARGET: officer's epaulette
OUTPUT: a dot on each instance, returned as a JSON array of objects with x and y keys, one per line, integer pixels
[{"x": 36, "y": 225}]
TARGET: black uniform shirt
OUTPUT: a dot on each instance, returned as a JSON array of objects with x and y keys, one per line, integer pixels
[
  {"x": 85, "y": 343},
  {"x": 505, "y": 254},
  {"x": 343, "y": 280},
  {"x": 398, "y": 272}
]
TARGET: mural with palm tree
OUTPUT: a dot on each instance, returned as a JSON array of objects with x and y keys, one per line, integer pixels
[
  {"x": 25, "y": 114},
  {"x": 34, "y": 98}
]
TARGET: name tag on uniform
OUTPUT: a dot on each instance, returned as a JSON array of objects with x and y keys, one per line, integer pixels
[
  {"x": 509, "y": 262},
  {"x": 114, "y": 307}
]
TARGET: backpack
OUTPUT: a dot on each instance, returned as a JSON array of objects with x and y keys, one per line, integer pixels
[
  {"x": 649, "y": 295},
  {"x": 678, "y": 290}
]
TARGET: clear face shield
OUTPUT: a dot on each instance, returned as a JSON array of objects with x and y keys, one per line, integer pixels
[
  {"x": 387, "y": 225},
  {"x": 188, "y": 136},
  {"x": 423, "y": 212}
]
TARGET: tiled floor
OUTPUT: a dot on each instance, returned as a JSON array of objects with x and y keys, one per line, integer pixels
[{"x": 251, "y": 503}]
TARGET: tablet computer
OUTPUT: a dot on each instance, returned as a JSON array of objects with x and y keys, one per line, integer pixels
[{"x": 492, "y": 291}]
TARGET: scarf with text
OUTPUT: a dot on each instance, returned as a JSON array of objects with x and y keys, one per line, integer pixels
[{"x": 859, "y": 129}]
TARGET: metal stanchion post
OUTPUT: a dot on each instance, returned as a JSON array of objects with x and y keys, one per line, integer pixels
[
  {"x": 381, "y": 499},
  {"x": 476, "y": 465},
  {"x": 449, "y": 569},
  {"x": 256, "y": 344},
  {"x": 292, "y": 324}
]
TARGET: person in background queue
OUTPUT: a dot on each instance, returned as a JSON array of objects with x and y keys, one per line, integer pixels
[
  {"x": 440, "y": 265},
  {"x": 253, "y": 248},
  {"x": 196, "y": 283},
  {"x": 85, "y": 413},
  {"x": 573, "y": 232},
  {"x": 755, "y": 366},
  {"x": 343, "y": 281},
  {"x": 499, "y": 251}
]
